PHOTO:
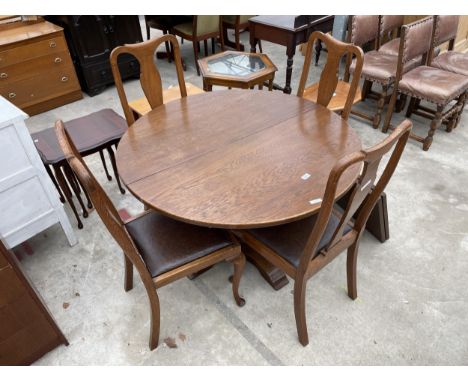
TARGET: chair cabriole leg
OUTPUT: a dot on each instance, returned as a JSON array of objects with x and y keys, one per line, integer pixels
[{"x": 299, "y": 310}]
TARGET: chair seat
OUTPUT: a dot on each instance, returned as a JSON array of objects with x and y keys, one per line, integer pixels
[
  {"x": 454, "y": 62},
  {"x": 432, "y": 84},
  {"x": 141, "y": 106},
  {"x": 379, "y": 67},
  {"x": 289, "y": 240},
  {"x": 185, "y": 28},
  {"x": 166, "y": 244},
  {"x": 391, "y": 47},
  {"x": 88, "y": 133},
  {"x": 338, "y": 100},
  {"x": 166, "y": 22}
]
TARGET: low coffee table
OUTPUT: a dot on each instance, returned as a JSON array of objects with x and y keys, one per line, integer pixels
[{"x": 237, "y": 70}]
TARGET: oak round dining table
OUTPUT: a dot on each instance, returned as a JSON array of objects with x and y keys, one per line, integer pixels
[{"x": 235, "y": 159}]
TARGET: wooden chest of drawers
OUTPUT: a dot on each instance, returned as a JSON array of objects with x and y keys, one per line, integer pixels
[
  {"x": 36, "y": 70},
  {"x": 27, "y": 329}
]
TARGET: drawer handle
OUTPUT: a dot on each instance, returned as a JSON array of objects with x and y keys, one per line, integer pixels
[
  {"x": 3, "y": 75},
  {"x": 52, "y": 44},
  {"x": 12, "y": 95},
  {"x": 64, "y": 79},
  {"x": 57, "y": 60}
]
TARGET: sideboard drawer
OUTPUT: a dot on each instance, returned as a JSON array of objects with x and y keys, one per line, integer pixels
[
  {"x": 58, "y": 61},
  {"x": 29, "y": 91},
  {"x": 34, "y": 49}
]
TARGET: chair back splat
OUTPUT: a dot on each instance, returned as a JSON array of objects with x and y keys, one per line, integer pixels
[
  {"x": 150, "y": 79},
  {"x": 363, "y": 195},
  {"x": 329, "y": 76}
]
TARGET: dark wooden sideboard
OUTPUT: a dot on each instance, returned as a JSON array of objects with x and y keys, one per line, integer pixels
[
  {"x": 91, "y": 40},
  {"x": 27, "y": 329}
]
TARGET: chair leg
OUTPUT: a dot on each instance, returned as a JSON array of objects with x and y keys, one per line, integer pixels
[
  {"x": 380, "y": 106},
  {"x": 434, "y": 126},
  {"x": 155, "y": 315},
  {"x": 195, "y": 54},
  {"x": 168, "y": 47},
  {"x": 114, "y": 167},
  {"x": 299, "y": 310},
  {"x": 104, "y": 164},
  {"x": 213, "y": 45},
  {"x": 205, "y": 46},
  {"x": 388, "y": 116},
  {"x": 148, "y": 35},
  {"x": 351, "y": 262},
  {"x": 237, "y": 38},
  {"x": 366, "y": 87},
  {"x": 66, "y": 190},
  {"x": 239, "y": 264},
  {"x": 128, "y": 282},
  {"x": 401, "y": 103},
  {"x": 411, "y": 106}
]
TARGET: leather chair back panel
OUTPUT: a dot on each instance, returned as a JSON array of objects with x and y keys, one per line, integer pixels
[
  {"x": 417, "y": 38},
  {"x": 390, "y": 22},
  {"x": 364, "y": 28},
  {"x": 446, "y": 28}
]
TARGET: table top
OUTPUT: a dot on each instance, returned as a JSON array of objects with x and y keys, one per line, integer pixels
[
  {"x": 235, "y": 158},
  {"x": 293, "y": 23},
  {"x": 241, "y": 66}
]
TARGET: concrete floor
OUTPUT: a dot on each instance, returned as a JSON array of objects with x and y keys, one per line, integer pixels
[{"x": 412, "y": 307}]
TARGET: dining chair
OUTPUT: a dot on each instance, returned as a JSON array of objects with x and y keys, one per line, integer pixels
[
  {"x": 92, "y": 133},
  {"x": 150, "y": 79},
  {"x": 445, "y": 31},
  {"x": 162, "y": 249},
  {"x": 201, "y": 29},
  {"x": 389, "y": 33},
  {"x": 236, "y": 23},
  {"x": 378, "y": 68},
  {"x": 303, "y": 247},
  {"x": 330, "y": 91},
  {"x": 427, "y": 83}
]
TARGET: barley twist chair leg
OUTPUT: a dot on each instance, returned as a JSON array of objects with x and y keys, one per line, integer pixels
[
  {"x": 434, "y": 126},
  {"x": 380, "y": 106}
]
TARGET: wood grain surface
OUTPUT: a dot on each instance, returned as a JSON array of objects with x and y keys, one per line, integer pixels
[{"x": 235, "y": 158}]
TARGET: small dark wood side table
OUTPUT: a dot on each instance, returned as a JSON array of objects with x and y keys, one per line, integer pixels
[
  {"x": 237, "y": 70},
  {"x": 289, "y": 31}
]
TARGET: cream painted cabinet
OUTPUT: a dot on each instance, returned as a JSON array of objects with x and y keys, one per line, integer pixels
[{"x": 28, "y": 200}]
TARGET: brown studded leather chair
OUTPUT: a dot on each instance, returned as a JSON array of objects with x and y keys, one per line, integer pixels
[
  {"x": 161, "y": 249},
  {"x": 302, "y": 248},
  {"x": 378, "y": 67},
  {"x": 446, "y": 27},
  {"x": 424, "y": 82},
  {"x": 330, "y": 91}
]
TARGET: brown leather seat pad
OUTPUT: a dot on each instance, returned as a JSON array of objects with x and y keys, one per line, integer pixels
[
  {"x": 87, "y": 133},
  {"x": 432, "y": 84},
  {"x": 392, "y": 47},
  {"x": 166, "y": 244},
  {"x": 381, "y": 67},
  {"x": 289, "y": 240},
  {"x": 454, "y": 62}
]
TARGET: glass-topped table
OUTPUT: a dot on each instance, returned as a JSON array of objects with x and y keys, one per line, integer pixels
[{"x": 237, "y": 70}]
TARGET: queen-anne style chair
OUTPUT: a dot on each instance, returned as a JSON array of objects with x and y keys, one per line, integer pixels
[
  {"x": 201, "y": 29},
  {"x": 161, "y": 249},
  {"x": 150, "y": 78},
  {"x": 331, "y": 91},
  {"x": 445, "y": 30},
  {"x": 424, "y": 82},
  {"x": 304, "y": 247},
  {"x": 378, "y": 67}
]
